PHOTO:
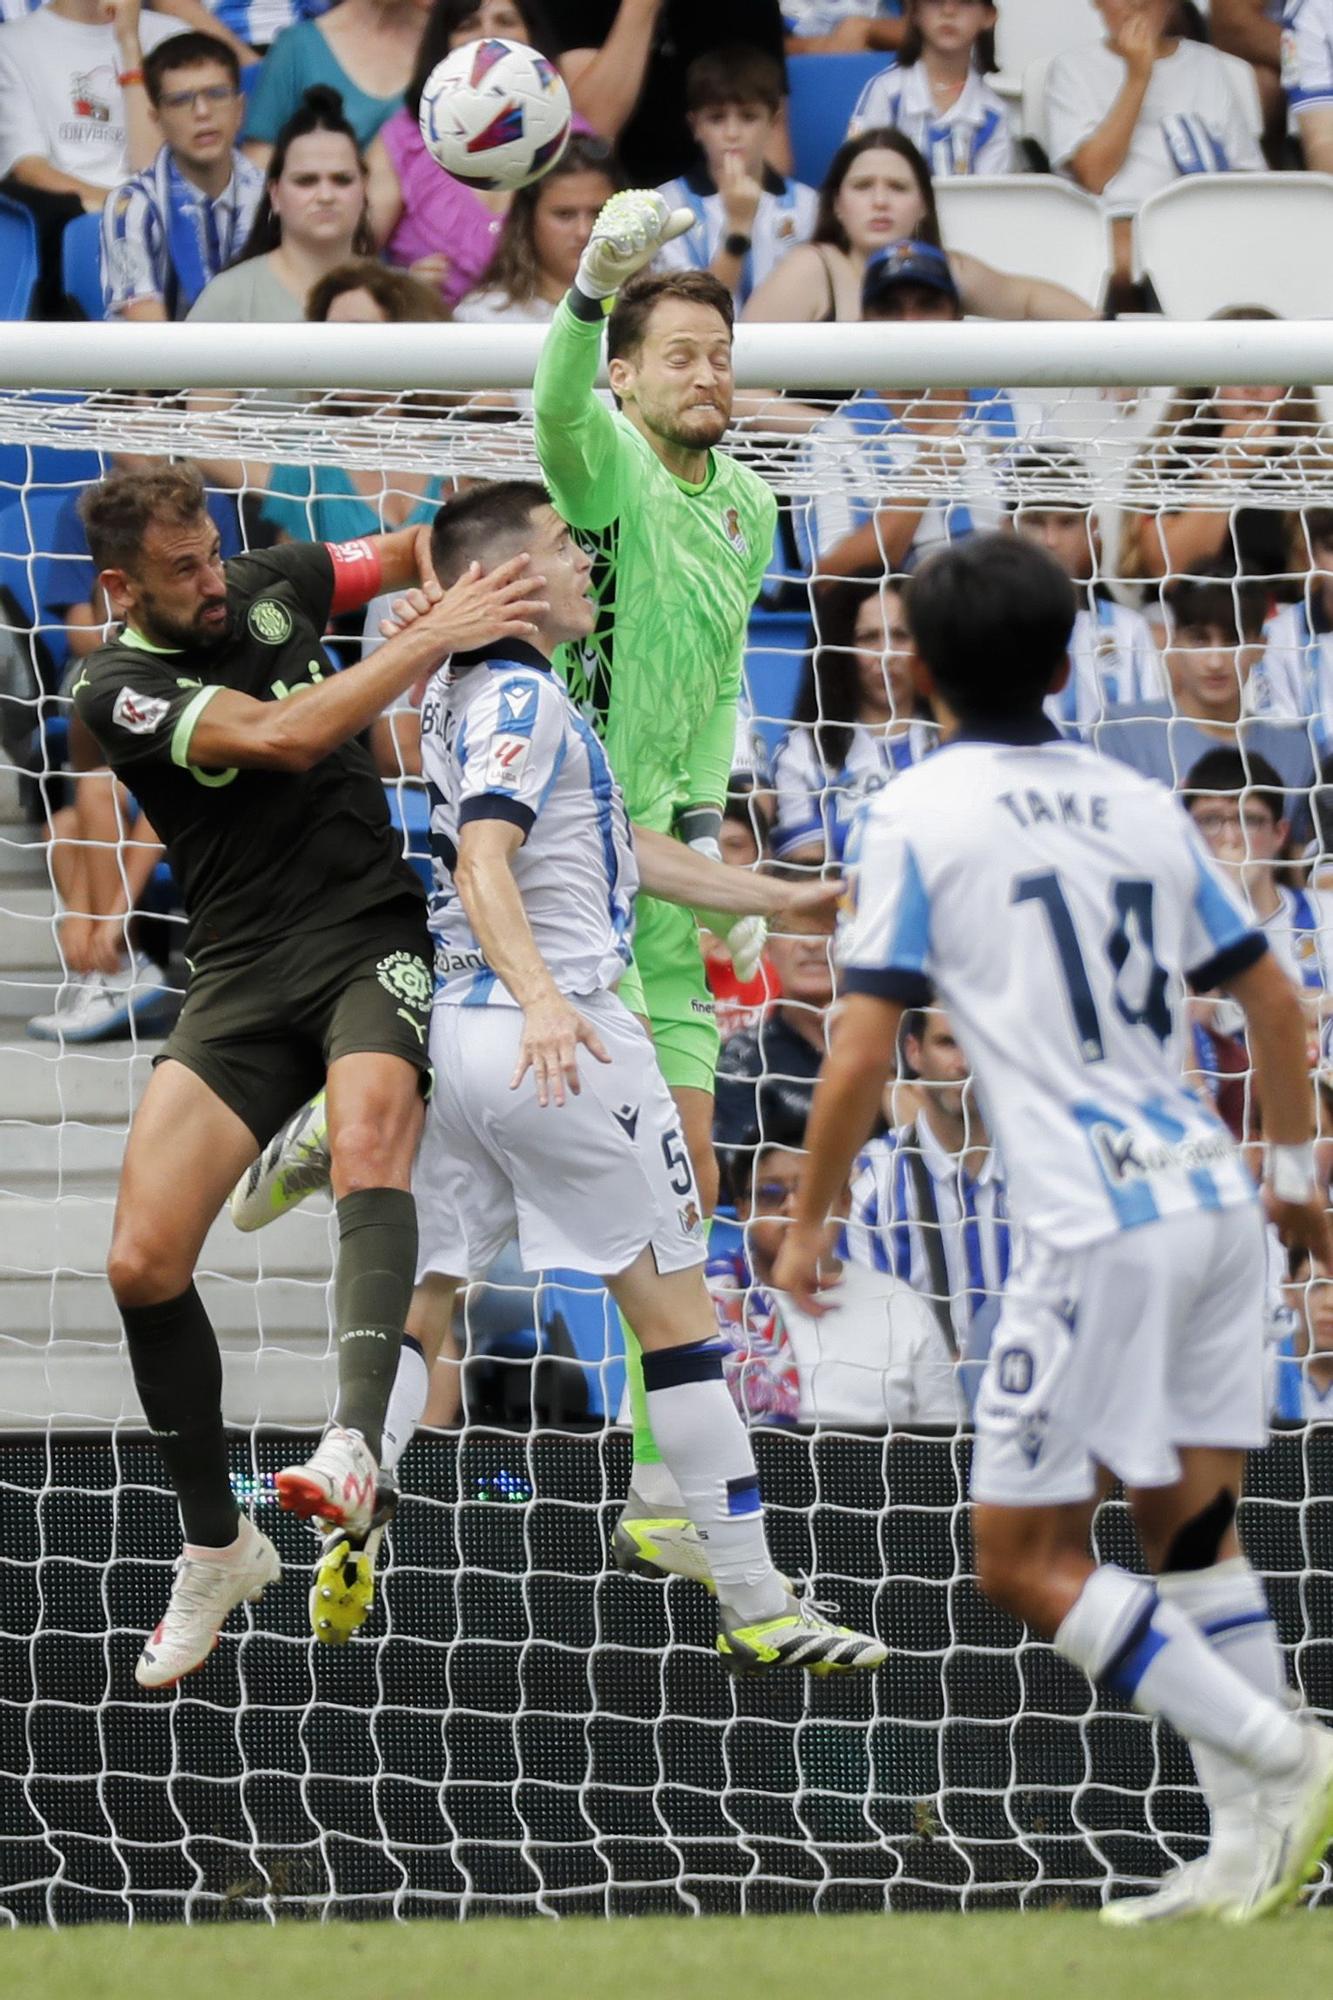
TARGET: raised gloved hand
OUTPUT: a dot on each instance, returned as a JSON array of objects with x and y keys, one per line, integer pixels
[{"x": 628, "y": 233}]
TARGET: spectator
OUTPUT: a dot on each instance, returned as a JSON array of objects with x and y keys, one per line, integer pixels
[
  {"x": 311, "y": 218},
  {"x": 363, "y": 49},
  {"x": 1306, "y": 44},
  {"x": 747, "y": 215},
  {"x": 766, "y": 1077},
  {"x": 1237, "y": 436},
  {"x": 928, "y": 1199},
  {"x": 842, "y": 27},
  {"x": 935, "y": 90},
  {"x": 1252, "y": 30},
  {"x": 1294, "y": 680},
  {"x": 1129, "y": 115},
  {"x": 1216, "y": 640},
  {"x": 443, "y": 232},
  {"x": 545, "y": 232},
  {"x": 897, "y": 472},
  {"x": 75, "y": 120},
  {"x": 857, "y": 720},
  {"x": 626, "y": 62},
  {"x": 875, "y": 1360},
  {"x": 741, "y": 1004},
  {"x": 1112, "y": 655},
  {"x": 1309, "y": 1295},
  {"x": 1237, "y": 804},
  {"x": 878, "y": 190},
  {"x": 171, "y": 229}
]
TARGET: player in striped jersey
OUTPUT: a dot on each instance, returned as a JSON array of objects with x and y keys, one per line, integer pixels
[{"x": 1024, "y": 879}]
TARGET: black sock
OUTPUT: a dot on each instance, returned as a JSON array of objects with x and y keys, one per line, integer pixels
[
  {"x": 377, "y": 1268},
  {"x": 178, "y": 1373}
]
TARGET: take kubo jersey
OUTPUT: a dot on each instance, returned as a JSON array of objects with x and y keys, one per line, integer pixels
[
  {"x": 257, "y": 854},
  {"x": 1057, "y": 902},
  {"x": 501, "y": 739}
]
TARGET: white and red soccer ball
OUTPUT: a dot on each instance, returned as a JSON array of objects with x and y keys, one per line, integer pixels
[{"x": 495, "y": 114}]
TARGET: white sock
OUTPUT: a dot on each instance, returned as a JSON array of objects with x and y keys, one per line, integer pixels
[
  {"x": 1228, "y": 1604},
  {"x": 407, "y": 1400},
  {"x": 656, "y": 1489},
  {"x": 704, "y": 1443},
  {"x": 1122, "y": 1634}
]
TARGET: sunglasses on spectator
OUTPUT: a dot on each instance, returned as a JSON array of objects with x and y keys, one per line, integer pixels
[
  {"x": 185, "y": 100},
  {"x": 772, "y": 1194}
]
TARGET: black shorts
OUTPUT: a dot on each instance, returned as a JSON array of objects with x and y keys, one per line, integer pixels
[{"x": 262, "y": 1031}]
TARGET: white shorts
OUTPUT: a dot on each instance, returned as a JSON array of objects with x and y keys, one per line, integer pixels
[
  {"x": 1119, "y": 1353},
  {"x": 589, "y": 1183}
]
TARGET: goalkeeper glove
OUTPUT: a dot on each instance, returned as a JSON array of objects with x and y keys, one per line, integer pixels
[
  {"x": 628, "y": 233},
  {"x": 744, "y": 937}
]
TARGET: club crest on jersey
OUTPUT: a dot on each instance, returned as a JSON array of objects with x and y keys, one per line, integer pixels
[
  {"x": 407, "y": 977},
  {"x": 138, "y": 714},
  {"x": 270, "y": 622},
  {"x": 691, "y": 1221},
  {"x": 734, "y": 532}
]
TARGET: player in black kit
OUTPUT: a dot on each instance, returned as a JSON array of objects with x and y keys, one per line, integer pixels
[{"x": 309, "y": 957}]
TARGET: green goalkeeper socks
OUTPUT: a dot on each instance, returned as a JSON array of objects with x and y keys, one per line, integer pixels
[
  {"x": 377, "y": 1258},
  {"x": 645, "y": 1444}
]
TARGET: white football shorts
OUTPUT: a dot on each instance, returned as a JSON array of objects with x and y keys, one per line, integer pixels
[
  {"x": 589, "y": 1183},
  {"x": 1119, "y": 1353}
]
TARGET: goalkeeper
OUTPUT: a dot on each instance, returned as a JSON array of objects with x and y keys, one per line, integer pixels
[{"x": 680, "y": 536}]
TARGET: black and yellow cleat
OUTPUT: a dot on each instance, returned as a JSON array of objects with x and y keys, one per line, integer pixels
[
  {"x": 804, "y": 1636},
  {"x": 342, "y": 1591}
]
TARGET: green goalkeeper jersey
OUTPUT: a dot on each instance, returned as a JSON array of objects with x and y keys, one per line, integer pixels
[{"x": 676, "y": 569}]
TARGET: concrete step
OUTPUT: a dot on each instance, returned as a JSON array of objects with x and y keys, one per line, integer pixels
[
  {"x": 47, "y": 1160},
  {"x": 277, "y": 1313},
  {"x": 27, "y": 928},
  {"x": 73, "y": 1383},
  {"x": 74, "y": 1234},
  {"x": 98, "y": 1085}
]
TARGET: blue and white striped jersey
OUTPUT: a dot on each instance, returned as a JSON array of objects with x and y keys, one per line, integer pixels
[
  {"x": 821, "y": 17},
  {"x": 1307, "y": 53},
  {"x": 500, "y": 739},
  {"x": 163, "y": 238},
  {"x": 971, "y": 137},
  {"x": 260, "y": 22},
  {"x": 785, "y": 217},
  {"x": 817, "y": 806},
  {"x": 886, "y": 1229},
  {"x": 1057, "y": 902},
  {"x": 1294, "y": 680},
  {"x": 1113, "y": 659}
]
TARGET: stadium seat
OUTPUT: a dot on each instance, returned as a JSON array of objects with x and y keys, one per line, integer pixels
[
  {"x": 18, "y": 259},
  {"x": 1032, "y": 223},
  {"x": 823, "y": 93},
  {"x": 1217, "y": 240},
  {"x": 81, "y": 264},
  {"x": 1027, "y": 31},
  {"x": 774, "y": 661}
]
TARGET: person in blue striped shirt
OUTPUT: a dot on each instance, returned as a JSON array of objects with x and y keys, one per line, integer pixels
[
  {"x": 935, "y": 92},
  {"x": 178, "y": 223},
  {"x": 928, "y": 1199}
]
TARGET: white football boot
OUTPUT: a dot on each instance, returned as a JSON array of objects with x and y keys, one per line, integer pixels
[{"x": 202, "y": 1596}]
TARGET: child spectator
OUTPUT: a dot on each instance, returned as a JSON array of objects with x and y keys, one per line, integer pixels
[
  {"x": 1112, "y": 655},
  {"x": 1216, "y": 640},
  {"x": 897, "y": 472},
  {"x": 363, "y": 49},
  {"x": 747, "y": 215},
  {"x": 1309, "y": 1295},
  {"x": 544, "y": 235},
  {"x": 1294, "y": 680},
  {"x": 857, "y": 720},
  {"x": 171, "y": 229},
  {"x": 936, "y": 93}
]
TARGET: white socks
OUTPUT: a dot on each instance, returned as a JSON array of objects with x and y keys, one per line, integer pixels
[
  {"x": 1121, "y": 1633},
  {"x": 407, "y": 1400},
  {"x": 704, "y": 1444},
  {"x": 654, "y": 1486}
]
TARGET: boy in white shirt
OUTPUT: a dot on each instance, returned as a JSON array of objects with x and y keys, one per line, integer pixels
[{"x": 747, "y": 216}]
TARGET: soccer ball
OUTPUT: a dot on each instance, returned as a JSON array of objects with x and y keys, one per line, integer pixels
[{"x": 495, "y": 114}]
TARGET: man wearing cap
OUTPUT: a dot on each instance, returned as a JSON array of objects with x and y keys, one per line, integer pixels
[{"x": 894, "y": 473}]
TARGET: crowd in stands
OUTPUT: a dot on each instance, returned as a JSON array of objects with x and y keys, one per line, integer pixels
[{"x": 262, "y": 162}]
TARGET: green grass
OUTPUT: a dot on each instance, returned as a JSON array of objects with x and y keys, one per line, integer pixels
[{"x": 982, "y": 1957}]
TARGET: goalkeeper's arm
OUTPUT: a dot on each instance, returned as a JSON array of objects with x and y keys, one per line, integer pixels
[{"x": 676, "y": 872}]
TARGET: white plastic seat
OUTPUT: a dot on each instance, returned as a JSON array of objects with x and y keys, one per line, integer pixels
[
  {"x": 1026, "y": 31},
  {"x": 1031, "y": 223},
  {"x": 1215, "y": 240}
]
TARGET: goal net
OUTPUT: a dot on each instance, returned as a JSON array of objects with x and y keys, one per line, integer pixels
[{"x": 523, "y": 1729}]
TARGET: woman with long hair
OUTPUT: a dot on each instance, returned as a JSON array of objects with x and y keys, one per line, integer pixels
[
  {"x": 443, "y": 231},
  {"x": 311, "y": 218},
  {"x": 877, "y": 191},
  {"x": 857, "y": 719},
  {"x": 545, "y": 233}
]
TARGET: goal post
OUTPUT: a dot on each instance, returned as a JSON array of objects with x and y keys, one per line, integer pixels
[{"x": 523, "y": 1730}]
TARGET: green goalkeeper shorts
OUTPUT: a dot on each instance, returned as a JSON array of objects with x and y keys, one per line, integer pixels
[{"x": 674, "y": 995}]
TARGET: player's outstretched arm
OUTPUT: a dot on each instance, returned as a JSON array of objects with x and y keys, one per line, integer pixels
[
  {"x": 233, "y": 729},
  {"x": 553, "y": 1030},
  {"x": 846, "y": 1104},
  {"x": 1275, "y": 1021},
  {"x": 677, "y": 873}
]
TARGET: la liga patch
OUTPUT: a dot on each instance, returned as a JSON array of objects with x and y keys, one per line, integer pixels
[{"x": 138, "y": 714}]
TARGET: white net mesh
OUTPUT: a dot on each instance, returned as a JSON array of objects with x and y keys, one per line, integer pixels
[{"x": 523, "y": 1728}]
